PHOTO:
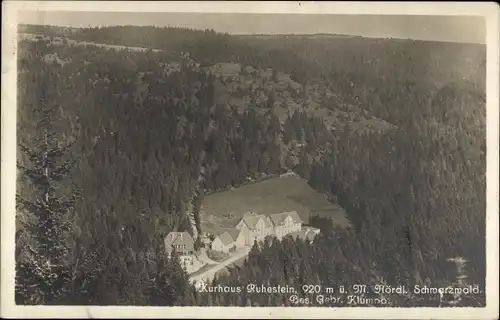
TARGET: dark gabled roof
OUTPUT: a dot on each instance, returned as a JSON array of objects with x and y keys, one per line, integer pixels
[
  {"x": 225, "y": 238},
  {"x": 234, "y": 233},
  {"x": 179, "y": 238},
  {"x": 251, "y": 220},
  {"x": 279, "y": 218}
]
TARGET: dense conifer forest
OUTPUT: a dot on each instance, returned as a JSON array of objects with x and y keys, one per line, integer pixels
[{"x": 116, "y": 149}]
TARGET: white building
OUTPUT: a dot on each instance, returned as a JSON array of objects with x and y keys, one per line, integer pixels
[
  {"x": 255, "y": 227},
  {"x": 223, "y": 242},
  {"x": 285, "y": 223}
]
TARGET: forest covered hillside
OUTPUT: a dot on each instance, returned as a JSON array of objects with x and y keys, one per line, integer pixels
[{"x": 392, "y": 130}]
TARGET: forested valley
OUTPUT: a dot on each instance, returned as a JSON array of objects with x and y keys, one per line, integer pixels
[{"x": 118, "y": 148}]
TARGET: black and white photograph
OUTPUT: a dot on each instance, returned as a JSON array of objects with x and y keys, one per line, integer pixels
[{"x": 244, "y": 156}]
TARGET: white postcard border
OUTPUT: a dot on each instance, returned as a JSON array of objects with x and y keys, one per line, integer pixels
[{"x": 490, "y": 11}]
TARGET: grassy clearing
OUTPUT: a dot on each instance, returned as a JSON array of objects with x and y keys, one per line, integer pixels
[{"x": 223, "y": 210}]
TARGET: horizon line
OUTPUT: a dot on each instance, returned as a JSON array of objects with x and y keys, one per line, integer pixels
[{"x": 344, "y": 35}]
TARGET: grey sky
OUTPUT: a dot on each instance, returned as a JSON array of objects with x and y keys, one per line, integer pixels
[{"x": 424, "y": 27}]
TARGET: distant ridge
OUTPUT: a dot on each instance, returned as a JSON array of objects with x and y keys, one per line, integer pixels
[
  {"x": 333, "y": 35},
  {"x": 65, "y": 31},
  {"x": 341, "y": 36}
]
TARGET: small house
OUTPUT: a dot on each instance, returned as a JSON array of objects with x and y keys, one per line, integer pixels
[
  {"x": 183, "y": 245},
  {"x": 238, "y": 237},
  {"x": 223, "y": 242}
]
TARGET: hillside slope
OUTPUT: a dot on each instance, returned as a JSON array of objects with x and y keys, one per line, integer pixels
[{"x": 152, "y": 133}]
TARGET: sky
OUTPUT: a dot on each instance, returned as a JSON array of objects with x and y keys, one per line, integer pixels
[{"x": 421, "y": 27}]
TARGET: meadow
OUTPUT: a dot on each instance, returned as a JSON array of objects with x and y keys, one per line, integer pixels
[{"x": 223, "y": 210}]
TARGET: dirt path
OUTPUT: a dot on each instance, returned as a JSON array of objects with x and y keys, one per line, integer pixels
[{"x": 203, "y": 257}]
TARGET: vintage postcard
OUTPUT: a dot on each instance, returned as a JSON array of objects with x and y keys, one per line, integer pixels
[{"x": 271, "y": 160}]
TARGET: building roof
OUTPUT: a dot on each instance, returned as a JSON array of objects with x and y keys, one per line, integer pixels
[
  {"x": 279, "y": 218},
  {"x": 268, "y": 222},
  {"x": 225, "y": 238},
  {"x": 303, "y": 235},
  {"x": 310, "y": 235},
  {"x": 179, "y": 238},
  {"x": 252, "y": 218},
  {"x": 234, "y": 233},
  {"x": 312, "y": 229}
]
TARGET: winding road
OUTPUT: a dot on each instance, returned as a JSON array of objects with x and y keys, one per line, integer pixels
[{"x": 210, "y": 273}]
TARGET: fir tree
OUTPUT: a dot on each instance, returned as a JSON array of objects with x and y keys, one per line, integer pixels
[
  {"x": 270, "y": 100},
  {"x": 46, "y": 210}
]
